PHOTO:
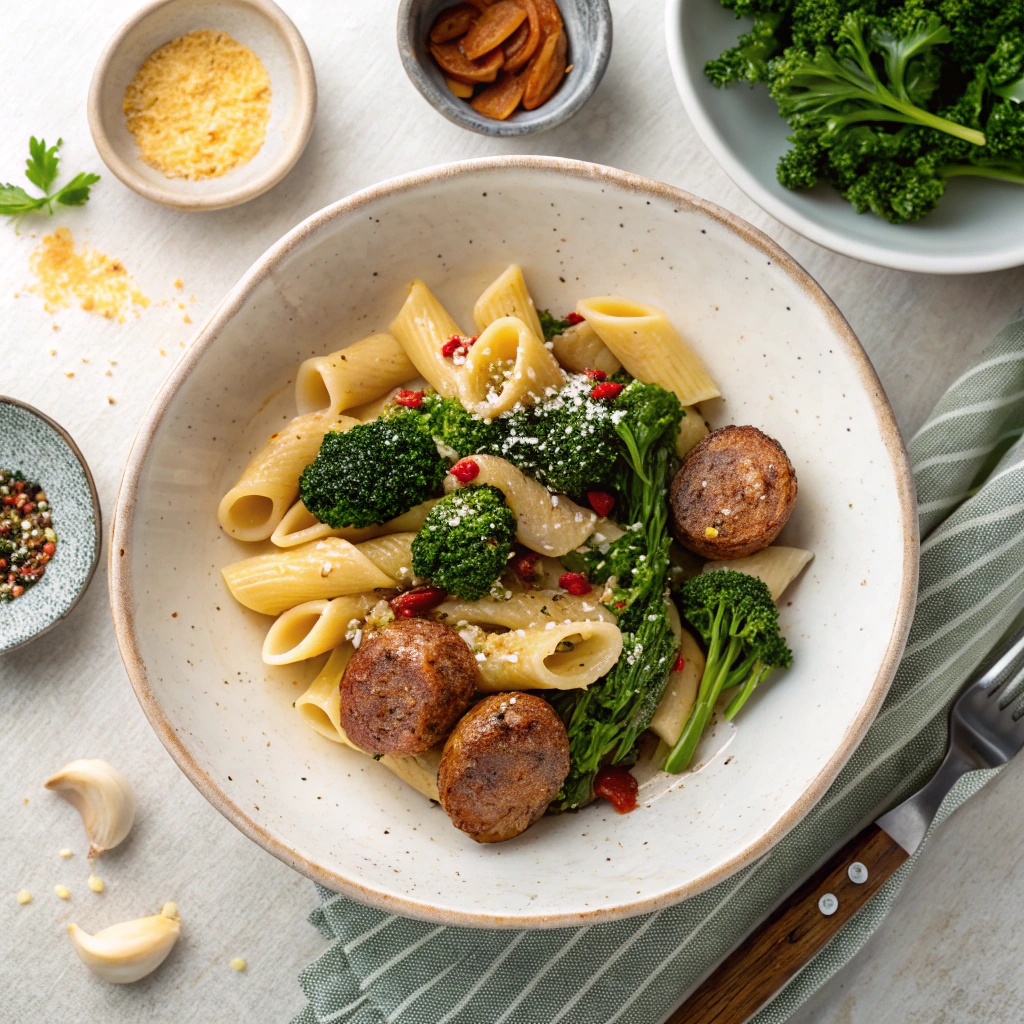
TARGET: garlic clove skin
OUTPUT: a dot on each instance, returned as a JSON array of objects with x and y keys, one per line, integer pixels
[
  {"x": 126, "y": 952},
  {"x": 102, "y": 796}
]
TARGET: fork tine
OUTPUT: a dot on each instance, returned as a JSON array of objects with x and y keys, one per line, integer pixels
[{"x": 994, "y": 678}]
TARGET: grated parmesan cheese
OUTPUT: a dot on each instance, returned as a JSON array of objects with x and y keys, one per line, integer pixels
[{"x": 199, "y": 106}]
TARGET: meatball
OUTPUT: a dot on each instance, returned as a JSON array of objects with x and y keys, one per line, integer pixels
[
  {"x": 502, "y": 765},
  {"x": 406, "y": 686},
  {"x": 733, "y": 495}
]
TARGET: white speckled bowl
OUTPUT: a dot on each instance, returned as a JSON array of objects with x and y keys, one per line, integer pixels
[
  {"x": 786, "y": 361},
  {"x": 978, "y": 226},
  {"x": 43, "y": 450},
  {"x": 270, "y": 34}
]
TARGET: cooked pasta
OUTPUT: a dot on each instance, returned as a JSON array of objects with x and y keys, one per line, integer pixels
[
  {"x": 314, "y": 627},
  {"x": 680, "y": 692},
  {"x": 549, "y": 523},
  {"x": 422, "y": 327},
  {"x": 691, "y": 429},
  {"x": 578, "y": 348},
  {"x": 561, "y": 656},
  {"x": 299, "y": 526},
  {"x": 524, "y": 610},
  {"x": 776, "y": 566},
  {"x": 319, "y": 570},
  {"x": 255, "y": 506},
  {"x": 507, "y": 368},
  {"x": 352, "y": 376},
  {"x": 392, "y": 554},
  {"x": 649, "y": 347},
  {"x": 507, "y": 296}
]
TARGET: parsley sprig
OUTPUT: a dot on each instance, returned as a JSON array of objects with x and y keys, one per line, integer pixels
[{"x": 41, "y": 170}]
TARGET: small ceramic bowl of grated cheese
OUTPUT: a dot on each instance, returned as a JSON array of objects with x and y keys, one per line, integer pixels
[{"x": 203, "y": 104}]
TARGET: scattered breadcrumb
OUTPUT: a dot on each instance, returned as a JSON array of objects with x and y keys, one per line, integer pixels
[
  {"x": 94, "y": 883},
  {"x": 65, "y": 853},
  {"x": 24, "y": 896},
  {"x": 237, "y": 964},
  {"x": 62, "y": 891},
  {"x": 178, "y": 283}
]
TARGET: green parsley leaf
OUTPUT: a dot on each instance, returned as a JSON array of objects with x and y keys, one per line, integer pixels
[
  {"x": 76, "y": 191},
  {"x": 15, "y": 201},
  {"x": 41, "y": 165}
]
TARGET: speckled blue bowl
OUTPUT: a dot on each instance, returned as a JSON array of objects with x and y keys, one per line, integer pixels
[
  {"x": 588, "y": 25},
  {"x": 43, "y": 451}
]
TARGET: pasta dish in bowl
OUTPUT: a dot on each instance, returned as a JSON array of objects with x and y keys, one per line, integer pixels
[{"x": 519, "y": 581}]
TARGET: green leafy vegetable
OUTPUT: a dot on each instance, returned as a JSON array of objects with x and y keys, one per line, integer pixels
[
  {"x": 551, "y": 325},
  {"x": 465, "y": 541},
  {"x": 41, "y": 171},
  {"x": 735, "y": 616}
]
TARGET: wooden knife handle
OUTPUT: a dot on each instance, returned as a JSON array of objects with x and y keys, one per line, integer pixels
[{"x": 795, "y": 932}]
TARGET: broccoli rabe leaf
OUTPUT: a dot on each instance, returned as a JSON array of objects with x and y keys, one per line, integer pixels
[
  {"x": 464, "y": 544},
  {"x": 747, "y": 61},
  {"x": 551, "y": 325}
]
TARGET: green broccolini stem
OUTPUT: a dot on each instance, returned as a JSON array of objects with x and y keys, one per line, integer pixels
[{"x": 983, "y": 171}]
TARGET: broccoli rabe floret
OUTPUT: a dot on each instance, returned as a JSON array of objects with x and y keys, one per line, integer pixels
[
  {"x": 618, "y": 558},
  {"x": 373, "y": 472},
  {"x": 747, "y": 61},
  {"x": 448, "y": 420},
  {"x": 735, "y": 616},
  {"x": 464, "y": 544}
]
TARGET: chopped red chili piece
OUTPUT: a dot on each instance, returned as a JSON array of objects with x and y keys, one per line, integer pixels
[
  {"x": 470, "y": 342},
  {"x": 575, "y": 583},
  {"x": 619, "y": 605},
  {"x": 410, "y": 399},
  {"x": 417, "y": 601},
  {"x": 601, "y": 502},
  {"x": 526, "y": 566},
  {"x": 680, "y": 663},
  {"x": 451, "y": 346},
  {"x": 465, "y": 470},
  {"x": 618, "y": 786},
  {"x": 606, "y": 391},
  {"x": 597, "y": 375},
  {"x": 573, "y": 318}
]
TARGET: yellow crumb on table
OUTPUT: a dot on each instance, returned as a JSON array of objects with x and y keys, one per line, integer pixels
[
  {"x": 199, "y": 106},
  {"x": 24, "y": 896},
  {"x": 237, "y": 964},
  {"x": 65, "y": 853},
  {"x": 178, "y": 283},
  {"x": 97, "y": 282},
  {"x": 187, "y": 319},
  {"x": 111, "y": 400},
  {"x": 94, "y": 883},
  {"x": 62, "y": 891}
]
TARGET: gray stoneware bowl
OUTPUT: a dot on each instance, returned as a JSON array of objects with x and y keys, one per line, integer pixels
[
  {"x": 43, "y": 450},
  {"x": 588, "y": 24}
]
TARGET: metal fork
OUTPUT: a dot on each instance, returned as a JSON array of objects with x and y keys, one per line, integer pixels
[{"x": 986, "y": 731}]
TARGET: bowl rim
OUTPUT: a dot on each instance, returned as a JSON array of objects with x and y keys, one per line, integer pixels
[
  {"x": 454, "y": 109},
  {"x": 881, "y": 255},
  {"x": 121, "y": 586},
  {"x": 307, "y": 101},
  {"x": 97, "y": 516}
]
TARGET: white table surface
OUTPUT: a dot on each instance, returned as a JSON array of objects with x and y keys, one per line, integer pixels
[{"x": 950, "y": 939}]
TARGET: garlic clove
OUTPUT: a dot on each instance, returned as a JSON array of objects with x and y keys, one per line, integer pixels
[
  {"x": 126, "y": 952},
  {"x": 102, "y": 796}
]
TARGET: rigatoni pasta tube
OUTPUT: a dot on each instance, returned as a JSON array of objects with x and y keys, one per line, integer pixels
[
  {"x": 352, "y": 376},
  {"x": 564, "y": 656},
  {"x": 300, "y": 526},
  {"x": 507, "y": 367},
  {"x": 578, "y": 348},
  {"x": 391, "y": 554},
  {"x": 692, "y": 429},
  {"x": 649, "y": 347},
  {"x": 507, "y": 296},
  {"x": 776, "y": 566},
  {"x": 680, "y": 692},
  {"x": 255, "y": 506},
  {"x": 320, "y": 570},
  {"x": 525, "y": 610},
  {"x": 314, "y": 627},
  {"x": 422, "y": 327},
  {"x": 551, "y": 524}
]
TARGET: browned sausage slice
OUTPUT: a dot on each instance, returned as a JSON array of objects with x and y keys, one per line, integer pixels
[
  {"x": 733, "y": 494},
  {"x": 502, "y": 765},
  {"x": 406, "y": 686}
]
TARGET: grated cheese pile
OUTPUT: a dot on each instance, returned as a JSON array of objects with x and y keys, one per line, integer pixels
[
  {"x": 199, "y": 106},
  {"x": 97, "y": 282}
]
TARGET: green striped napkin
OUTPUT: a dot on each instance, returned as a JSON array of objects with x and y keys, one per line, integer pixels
[{"x": 969, "y": 464}]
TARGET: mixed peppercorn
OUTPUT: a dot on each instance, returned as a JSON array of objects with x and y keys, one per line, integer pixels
[{"x": 27, "y": 539}]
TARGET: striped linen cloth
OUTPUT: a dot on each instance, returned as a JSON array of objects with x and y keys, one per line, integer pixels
[{"x": 969, "y": 466}]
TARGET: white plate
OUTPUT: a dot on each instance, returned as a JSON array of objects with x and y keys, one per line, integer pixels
[
  {"x": 786, "y": 361},
  {"x": 978, "y": 226}
]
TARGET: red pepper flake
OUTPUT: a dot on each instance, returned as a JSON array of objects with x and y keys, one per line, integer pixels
[
  {"x": 601, "y": 502},
  {"x": 410, "y": 399},
  {"x": 465, "y": 470},
  {"x": 572, "y": 319},
  {"x": 597, "y": 375},
  {"x": 575, "y": 583},
  {"x": 525, "y": 566},
  {"x": 619, "y": 605},
  {"x": 607, "y": 391},
  {"x": 680, "y": 663},
  {"x": 417, "y": 601},
  {"x": 457, "y": 345},
  {"x": 618, "y": 786}
]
